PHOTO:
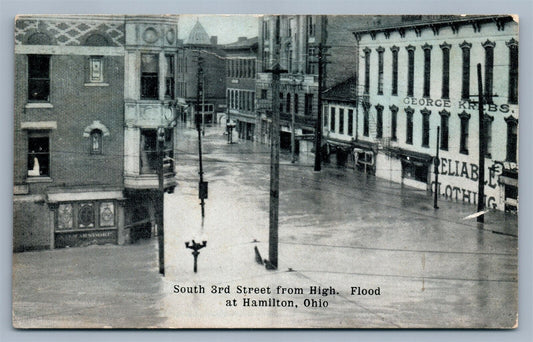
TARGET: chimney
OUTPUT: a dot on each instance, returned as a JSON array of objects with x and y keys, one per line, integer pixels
[{"x": 214, "y": 40}]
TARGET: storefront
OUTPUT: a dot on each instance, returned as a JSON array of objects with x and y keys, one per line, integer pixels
[{"x": 86, "y": 218}]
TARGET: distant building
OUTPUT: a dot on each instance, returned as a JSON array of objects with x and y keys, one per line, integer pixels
[
  {"x": 201, "y": 63},
  {"x": 90, "y": 94},
  {"x": 419, "y": 74},
  {"x": 241, "y": 71}
]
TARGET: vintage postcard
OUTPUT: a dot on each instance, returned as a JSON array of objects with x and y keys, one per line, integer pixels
[{"x": 265, "y": 171}]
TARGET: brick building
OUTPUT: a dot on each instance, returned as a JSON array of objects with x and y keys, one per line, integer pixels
[
  {"x": 87, "y": 107},
  {"x": 300, "y": 36},
  {"x": 417, "y": 74},
  {"x": 241, "y": 64},
  {"x": 201, "y": 63}
]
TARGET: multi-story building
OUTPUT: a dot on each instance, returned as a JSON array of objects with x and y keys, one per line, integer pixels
[
  {"x": 241, "y": 62},
  {"x": 420, "y": 75},
  {"x": 201, "y": 77},
  {"x": 300, "y": 38},
  {"x": 90, "y": 94}
]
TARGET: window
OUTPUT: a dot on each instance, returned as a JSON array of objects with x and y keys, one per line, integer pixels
[
  {"x": 311, "y": 61},
  {"x": 310, "y": 26},
  {"x": 296, "y": 103},
  {"x": 280, "y": 102},
  {"x": 427, "y": 69},
  {"x": 512, "y": 138},
  {"x": 266, "y": 31},
  {"x": 489, "y": 69},
  {"x": 350, "y": 122},
  {"x": 394, "y": 50},
  {"x": 39, "y": 78},
  {"x": 380, "y": 70},
  {"x": 332, "y": 119},
  {"x": 341, "y": 121},
  {"x": 409, "y": 126},
  {"x": 264, "y": 94},
  {"x": 169, "y": 77},
  {"x": 288, "y": 103},
  {"x": 86, "y": 215},
  {"x": 366, "y": 124},
  {"x": 96, "y": 69},
  {"x": 425, "y": 127},
  {"x": 379, "y": 121},
  {"x": 149, "y": 76},
  {"x": 308, "y": 104},
  {"x": 445, "y": 70},
  {"x": 465, "y": 91},
  {"x": 367, "y": 70},
  {"x": 38, "y": 154},
  {"x": 487, "y": 128},
  {"x": 463, "y": 147},
  {"x": 513, "y": 71},
  {"x": 149, "y": 158},
  {"x": 444, "y": 129},
  {"x": 96, "y": 141},
  {"x": 394, "y": 122},
  {"x": 410, "y": 70}
]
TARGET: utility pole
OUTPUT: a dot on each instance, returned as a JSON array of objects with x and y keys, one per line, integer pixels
[
  {"x": 274, "y": 156},
  {"x": 481, "y": 184},
  {"x": 202, "y": 185},
  {"x": 318, "y": 128},
  {"x": 161, "y": 199},
  {"x": 293, "y": 148},
  {"x": 437, "y": 162},
  {"x": 203, "y": 103}
]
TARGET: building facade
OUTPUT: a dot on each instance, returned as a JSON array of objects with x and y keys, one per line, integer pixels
[
  {"x": 201, "y": 77},
  {"x": 241, "y": 71},
  {"x": 299, "y": 39},
  {"x": 420, "y": 75},
  {"x": 86, "y": 109}
]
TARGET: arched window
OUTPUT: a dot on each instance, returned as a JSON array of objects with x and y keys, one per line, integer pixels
[{"x": 96, "y": 141}]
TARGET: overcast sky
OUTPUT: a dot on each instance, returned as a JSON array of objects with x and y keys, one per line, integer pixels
[{"x": 227, "y": 28}]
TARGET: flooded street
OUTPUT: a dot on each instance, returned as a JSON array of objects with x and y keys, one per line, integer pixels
[
  {"x": 354, "y": 251},
  {"x": 337, "y": 229}
]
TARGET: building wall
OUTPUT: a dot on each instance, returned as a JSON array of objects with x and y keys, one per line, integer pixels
[
  {"x": 47, "y": 208},
  {"x": 214, "y": 69},
  {"x": 458, "y": 171}
]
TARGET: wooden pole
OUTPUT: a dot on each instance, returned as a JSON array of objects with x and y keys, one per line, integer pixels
[
  {"x": 161, "y": 200},
  {"x": 437, "y": 162},
  {"x": 274, "y": 158},
  {"x": 481, "y": 184}
]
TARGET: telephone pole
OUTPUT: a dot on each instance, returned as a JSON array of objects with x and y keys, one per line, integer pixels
[
  {"x": 437, "y": 162},
  {"x": 481, "y": 184},
  {"x": 161, "y": 199},
  {"x": 321, "y": 63},
  {"x": 274, "y": 156},
  {"x": 202, "y": 187}
]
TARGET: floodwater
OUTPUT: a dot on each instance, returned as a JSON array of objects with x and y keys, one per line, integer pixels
[
  {"x": 338, "y": 229},
  {"x": 354, "y": 252}
]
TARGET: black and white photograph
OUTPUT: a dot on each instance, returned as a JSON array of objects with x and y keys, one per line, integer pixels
[{"x": 189, "y": 171}]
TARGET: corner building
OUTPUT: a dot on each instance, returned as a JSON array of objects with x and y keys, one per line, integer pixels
[
  {"x": 422, "y": 74},
  {"x": 90, "y": 94}
]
